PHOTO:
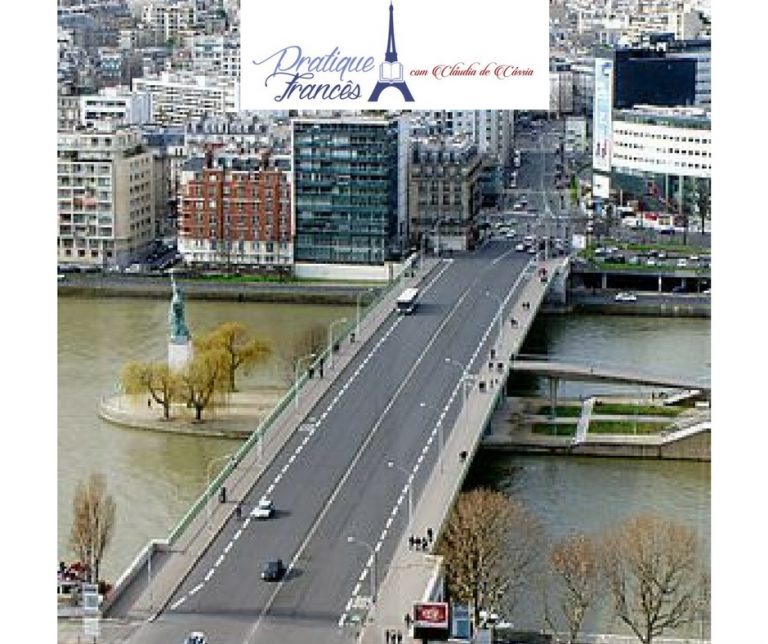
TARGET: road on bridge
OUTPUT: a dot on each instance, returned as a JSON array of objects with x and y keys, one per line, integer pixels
[{"x": 331, "y": 480}]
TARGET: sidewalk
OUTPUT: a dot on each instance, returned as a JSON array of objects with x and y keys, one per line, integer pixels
[
  {"x": 412, "y": 573},
  {"x": 181, "y": 557}
]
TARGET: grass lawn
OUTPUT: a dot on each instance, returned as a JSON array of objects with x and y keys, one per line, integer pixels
[
  {"x": 554, "y": 429},
  {"x": 642, "y": 410},
  {"x": 624, "y": 427},
  {"x": 562, "y": 411}
]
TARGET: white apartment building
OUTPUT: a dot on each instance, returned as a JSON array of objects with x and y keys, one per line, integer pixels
[
  {"x": 172, "y": 20},
  {"x": 218, "y": 54},
  {"x": 106, "y": 206},
  {"x": 674, "y": 141},
  {"x": 178, "y": 98},
  {"x": 116, "y": 104},
  {"x": 491, "y": 130}
]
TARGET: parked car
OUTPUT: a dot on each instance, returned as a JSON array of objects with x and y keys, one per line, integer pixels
[
  {"x": 265, "y": 509},
  {"x": 273, "y": 570},
  {"x": 682, "y": 263},
  {"x": 625, "y": 297},
  {"x": 196, "y": 638}
]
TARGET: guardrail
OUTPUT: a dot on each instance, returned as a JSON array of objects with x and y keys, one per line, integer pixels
[{"x": 258, "y": 434}]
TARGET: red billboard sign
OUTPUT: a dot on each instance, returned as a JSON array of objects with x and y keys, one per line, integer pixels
[{"x": 430, "y": 615}]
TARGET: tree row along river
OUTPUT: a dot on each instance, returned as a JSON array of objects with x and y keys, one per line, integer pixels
[{"x": 155, "y": 477}]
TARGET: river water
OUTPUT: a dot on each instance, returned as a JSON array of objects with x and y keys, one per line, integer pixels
[
  {"x": 155, "y": 477},
  {"x": 582, "y": 494}
]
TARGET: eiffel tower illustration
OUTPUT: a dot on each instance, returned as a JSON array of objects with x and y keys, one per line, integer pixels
[{"x": 391, "y": 71}]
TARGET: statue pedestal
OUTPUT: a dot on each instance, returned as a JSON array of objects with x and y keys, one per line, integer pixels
[{"x": 179, "y": 354}]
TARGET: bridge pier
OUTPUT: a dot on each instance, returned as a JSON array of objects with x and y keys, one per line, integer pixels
[{"x": 554, "y": 382}]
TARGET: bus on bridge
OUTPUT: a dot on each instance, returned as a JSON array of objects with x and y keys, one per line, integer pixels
[{"x": 406, "y": 301}]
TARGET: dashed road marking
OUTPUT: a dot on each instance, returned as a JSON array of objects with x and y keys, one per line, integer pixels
[{"x": 196, "y": 589}]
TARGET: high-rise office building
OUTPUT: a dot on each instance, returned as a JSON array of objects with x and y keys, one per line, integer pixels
[{"x": 348, "y": 185}]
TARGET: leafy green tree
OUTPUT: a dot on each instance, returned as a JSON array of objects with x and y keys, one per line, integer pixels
[
  {"x": 241, "y": 349},
  {"x": 153, "y": 378},
  {"x": 203, "y": 378}
]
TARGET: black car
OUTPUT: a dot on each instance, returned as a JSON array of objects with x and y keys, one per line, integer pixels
[{"x": 273, "y": 570}]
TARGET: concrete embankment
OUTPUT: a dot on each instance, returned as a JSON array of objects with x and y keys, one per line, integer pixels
[
  {"x": 686, "y": 436},
  {"x": 235, "y": 418},
  {"x": 647, "y": 304},
  {"x": 140, "y": 286}
]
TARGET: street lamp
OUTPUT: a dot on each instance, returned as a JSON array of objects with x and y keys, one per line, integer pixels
[
  {"x": 501, "y": 314},
  {"x": 465, "y": 378},
  {"x": 330, "y": 338},
  {"x": 208, "y": 472},
  {"x": 440, "y": 435},
  {"x": 296, "y": 377},
  {"x": 351, "y": 539},
  {"x": 393, "y": 465},
  {"x": 357, "y": 325}
]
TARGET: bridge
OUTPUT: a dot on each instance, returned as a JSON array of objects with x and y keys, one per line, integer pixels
[
  {"x": 366, "y": 456},
  {"x": 595, "y": 372}
]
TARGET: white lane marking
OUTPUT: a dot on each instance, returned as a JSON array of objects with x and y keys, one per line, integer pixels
[
  {"x": 209, "y": 574},
  {"x": 377, "y": 547},
  {"x": 420, "y": 459},
  {"x": 292, "y": 459},
  {"x": 363, "y": 575},
  {"x": 218, "y": 561},
  {"x": 270, "y": 489},
  {"x": 196, "y": 589},
  {"x": 246, "y": 523},
  {"x": 178, "y": 603},
  {"x": 237, "y": 535},
  {"x": 354, "y": 592}
]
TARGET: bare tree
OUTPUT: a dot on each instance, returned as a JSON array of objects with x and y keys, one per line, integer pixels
[
  {"x": 155, "y": 379},
  {"x": 655, "y": 575},
  {"x": 92, "y": 524},
  {"x": 241, "y": 349},
  {"x": 575, "y": 564},
  {"x": 203, "y": 378},
  {"x": 491, "y": 546},
  {"x": 313, "y": 340}
]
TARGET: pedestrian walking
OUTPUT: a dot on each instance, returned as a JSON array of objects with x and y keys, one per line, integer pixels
[
  {"x": 239, "y": 510},
  {"x": 424, "y": 544},
  {"x": 463, "y": 456},
  {"x": 408, "y": 620},
  {"x": 430, "y": 534},
  {"x": 149, "y": 403},
  {"x": 399, "y": 637}
]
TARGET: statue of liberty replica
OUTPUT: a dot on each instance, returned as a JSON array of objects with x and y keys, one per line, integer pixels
[{"x": 180, "y": 340}]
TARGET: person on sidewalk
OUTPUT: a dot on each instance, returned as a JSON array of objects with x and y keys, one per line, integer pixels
[
  {"x": 430, "y": 535},
  {"x": 387, "y": 636},
  {"x": 239, "y": 510},
  {"x": 408, "y": 621}
]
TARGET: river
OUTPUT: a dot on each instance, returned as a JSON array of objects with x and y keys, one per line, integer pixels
[
  {"x": 582, "y": 494},
  {"x": 153, "y": 477}
]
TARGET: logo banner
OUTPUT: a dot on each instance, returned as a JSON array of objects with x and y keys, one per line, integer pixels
[{"x": 351, "y": 55}]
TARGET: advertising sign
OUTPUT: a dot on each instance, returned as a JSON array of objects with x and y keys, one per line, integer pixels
[
  {"x": 602, "y": 124},
  {"x": 431, "y": 620},
  {"x": 351, "y": 55}
]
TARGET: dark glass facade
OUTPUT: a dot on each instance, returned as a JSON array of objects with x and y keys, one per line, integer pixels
[
  {"x": 345, "y": 191},
  {"x": 646, "y": 77}
]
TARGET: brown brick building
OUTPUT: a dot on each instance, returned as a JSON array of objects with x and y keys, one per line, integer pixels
[{"x": 235, "y": 213}]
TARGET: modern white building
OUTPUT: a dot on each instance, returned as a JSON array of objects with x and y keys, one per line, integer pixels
[
  {"x": 218, "y": 54},
  {"x": 116, "y": 104},
  {"x": 650, "y": 140},
  {"x": 178, "y": 98},
  {"x": 106, "y": 207}
]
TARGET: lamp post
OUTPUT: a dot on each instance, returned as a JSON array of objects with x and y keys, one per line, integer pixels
[
  {"x": 501, "y": 314},
  {"x": 351, "y": 539},
  {"x": 208, "y": 473},
  {"x": 357, "y": 324},
  {"x": 330, "y": 338},
  {"x": 296, "y": 377},
  {"x": 465, "y": 378},
  {"x": 393, "y": 465},
  {"x": 440, "y": 435}
]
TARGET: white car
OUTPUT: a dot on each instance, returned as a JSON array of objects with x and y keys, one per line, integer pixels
[
  {"x": 196, "y": 638},
  {"x": 264, "y": 510},
  {"x": 520, "y": 247},
  {"x": 625, "y": 297}
]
